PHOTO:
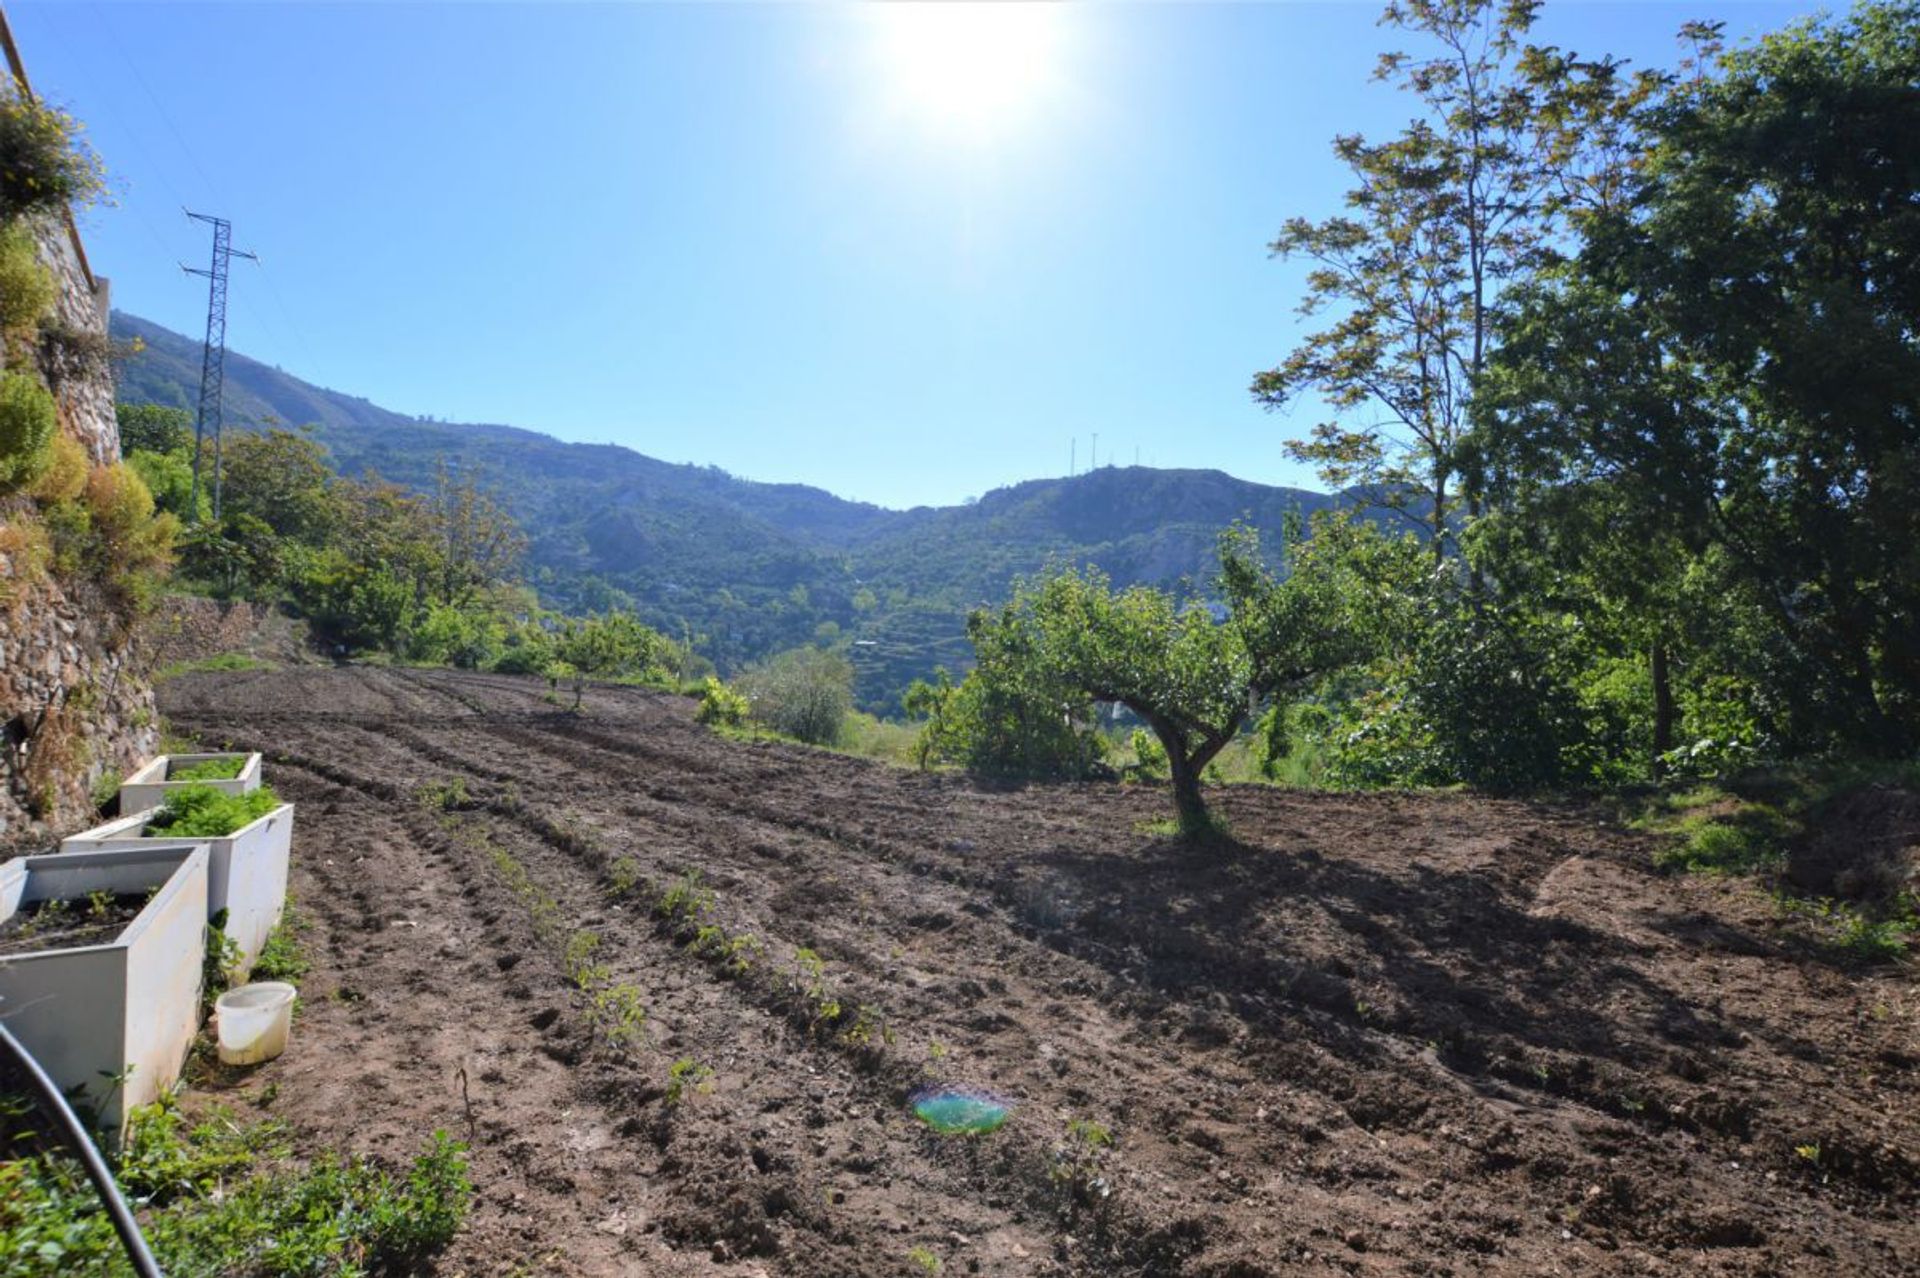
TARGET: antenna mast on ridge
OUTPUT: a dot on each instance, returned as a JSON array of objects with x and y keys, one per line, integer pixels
[{"x": 213, "y": 357}]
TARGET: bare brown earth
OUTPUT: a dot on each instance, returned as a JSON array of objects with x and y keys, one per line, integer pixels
[{"x": 1380, "y": 1034}]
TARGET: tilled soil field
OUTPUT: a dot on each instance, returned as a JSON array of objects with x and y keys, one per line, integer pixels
[{"x": 1380, "y": 1034}]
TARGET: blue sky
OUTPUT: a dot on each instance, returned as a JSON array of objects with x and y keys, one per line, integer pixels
[{"x": 802, "y": 242}]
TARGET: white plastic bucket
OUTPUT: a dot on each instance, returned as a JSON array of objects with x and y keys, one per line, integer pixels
[{"x": 252, "y": 1021}]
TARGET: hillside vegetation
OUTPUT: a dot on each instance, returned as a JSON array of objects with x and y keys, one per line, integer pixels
[{"x": 749, "y": 569}]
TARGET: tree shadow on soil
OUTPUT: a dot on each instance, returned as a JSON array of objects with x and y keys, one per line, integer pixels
[{"x": 1300, "y": 942}]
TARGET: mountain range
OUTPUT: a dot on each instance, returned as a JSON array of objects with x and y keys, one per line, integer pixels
[{"x": 748, "y": 568}]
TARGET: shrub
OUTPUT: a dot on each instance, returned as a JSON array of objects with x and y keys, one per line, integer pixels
[
  {"x": 131, "y": 545},
  {"x": 454, "y": 637},
  {"x": 804, "y": 693},
  {"x": 721, "y": 705},
  {"x": 1149, "y": 756},
  {"x": 200, "y": 811},
  {"x": 65, "y": 476},
  {"x": 27, "y": 423},
  {"x": 44, "y": 163},
  {"x": 27, "y": 289},
  {"x": 1001, "y": 721},
  {"x": 26, "y": 551}
]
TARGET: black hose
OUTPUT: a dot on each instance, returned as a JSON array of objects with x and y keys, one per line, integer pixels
[{"x": 55, "y": 1104}]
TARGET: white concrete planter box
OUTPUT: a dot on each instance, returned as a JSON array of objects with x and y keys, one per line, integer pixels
[
  {"x": 246, "y": 871},
  {"x": 124, "y": 1010},
  {"x": 149, "y": 787}
]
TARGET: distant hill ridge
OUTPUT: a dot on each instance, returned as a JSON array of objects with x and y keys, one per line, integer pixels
[{"x": 753, "y": 567}]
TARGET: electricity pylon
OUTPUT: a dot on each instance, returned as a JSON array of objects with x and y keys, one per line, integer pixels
[{"x": 213, "y": 357}]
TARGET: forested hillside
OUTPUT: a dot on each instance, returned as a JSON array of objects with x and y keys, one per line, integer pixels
[{"x": 749, "y": 568}]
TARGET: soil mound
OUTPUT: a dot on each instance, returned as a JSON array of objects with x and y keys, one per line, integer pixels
[{"x": 1865, "y": 847}]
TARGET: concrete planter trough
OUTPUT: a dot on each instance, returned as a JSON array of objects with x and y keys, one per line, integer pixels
[
  {"x": 114, "y": 1018},
  {"x": 150, "y": 786},
  {"x": 246, "y": 871}
]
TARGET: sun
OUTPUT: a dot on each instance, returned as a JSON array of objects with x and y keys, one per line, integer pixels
[{"x": 973, "y": 69}]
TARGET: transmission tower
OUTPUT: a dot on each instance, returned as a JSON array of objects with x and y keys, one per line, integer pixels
[{"x": 213, "y": 357}]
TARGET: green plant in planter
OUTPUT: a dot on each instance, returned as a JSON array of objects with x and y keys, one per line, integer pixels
[
  {"x": 200, "y": 811},
  {"x": 210, "y": 770}
]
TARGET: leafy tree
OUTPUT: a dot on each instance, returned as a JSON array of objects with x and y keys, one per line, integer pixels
[
  {"x": 1733, "y": 354},
  {"x": 283, "y": 479},
  {"x": 240, "y": 554},
  {"x": 1193, "y": 678},
  {"x": 1442, "y": 218},
  {"x": 480, "y": 546},
  {"x": 154, "y": 428},
  {"x": 604, "y": 647}
]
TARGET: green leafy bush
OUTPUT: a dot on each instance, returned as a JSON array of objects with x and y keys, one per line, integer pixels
[
  {"x": 27, "y": 423},
  {"x": 200, "y": 811},
  {"x": 44, "y": 163},
  {"x": 720, "y": 705},
  {"x": 27, "y": 290},
  {"x": 804, "y": 693}
]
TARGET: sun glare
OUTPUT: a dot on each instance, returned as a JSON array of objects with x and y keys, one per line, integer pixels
[{"x": 972, "y": 68}]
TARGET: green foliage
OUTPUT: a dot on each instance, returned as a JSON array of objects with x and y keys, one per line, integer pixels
[
  {"x": 606, "y": 647},
  {"x": 227, "y": 1199},
  {"x": 209, "y": 769},
  {"x": 220, "y": 661},
  {"x": 804, "y": 693},
  {"x": 45, "y": 165},
  {"x": 1193, "y": 677},
  {"x": 27, "y": 424},
  {"x": 721, "y": 705},
  {"x": 200, "y": 811},
  {"x": 1006, "y": 718},
  {"x": 1149, "y": 756},
  {"x": 470, "y": 638},
  {"x": 169, "y": 477},
  {"x": 687, "y": 1078},
  {"x": 27, "y": 292},
  {"x": 154, "y": 428},
  {"x": 283, "y": 957},
  {"x": 1507, "y": 141},
  {"x": 1686, "y": 359}
]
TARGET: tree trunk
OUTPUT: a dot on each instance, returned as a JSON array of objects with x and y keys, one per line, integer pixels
[
  {"x": 1188, "y": 806},
  {"x": 1662, "y": 708}
]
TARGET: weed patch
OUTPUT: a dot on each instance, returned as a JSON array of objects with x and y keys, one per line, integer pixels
[{"x": 219, "y": 1197}]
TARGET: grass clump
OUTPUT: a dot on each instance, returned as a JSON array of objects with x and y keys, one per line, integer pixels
[
  {"x": 200, "y": 811},
  {"x": 208, "y": 770},
  {"x": 217, "y": 1197},
  {"x": 224, "y": 661}
]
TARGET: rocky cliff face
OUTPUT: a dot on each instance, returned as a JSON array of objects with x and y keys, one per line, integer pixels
[{"x": 75, "y": 709}]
